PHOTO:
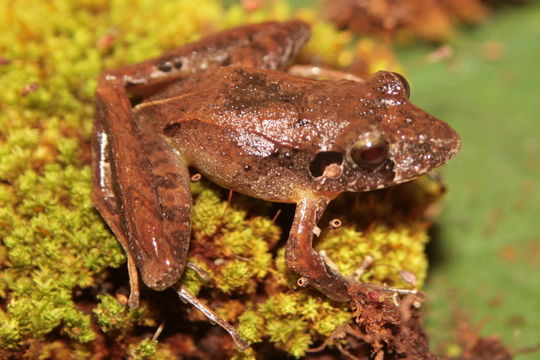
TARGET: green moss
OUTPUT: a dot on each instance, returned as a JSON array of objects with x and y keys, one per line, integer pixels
[
  {"x": 251, "y": 326},
  {"x": 143, "y": 350},
  {"x": 248, "y": 354},
  {"x": 393, "y": 250},
  {"x": 292, "y": 321},
  {"x": 234, "y": 274}
]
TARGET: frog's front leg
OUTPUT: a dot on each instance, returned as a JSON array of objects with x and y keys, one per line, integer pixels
[{"x": 302, "y": 258}]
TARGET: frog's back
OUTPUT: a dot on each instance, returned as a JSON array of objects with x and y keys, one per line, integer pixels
[
  {"x": 248, "y": 130},
  {"x": 290, "y": 111}
]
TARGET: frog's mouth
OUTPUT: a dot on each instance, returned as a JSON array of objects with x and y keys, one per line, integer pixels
[{"x": 424, "y": 151}]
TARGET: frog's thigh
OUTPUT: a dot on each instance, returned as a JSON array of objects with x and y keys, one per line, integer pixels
[
  {"x": 151, "y": 187},
  {"x": 301, "y": 257},
  {"x": 106, "y": 202},
  {"x": 316, "y": 72}
]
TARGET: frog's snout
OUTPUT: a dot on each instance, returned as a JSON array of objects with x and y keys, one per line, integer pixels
[{"x": 422, "y": 151}]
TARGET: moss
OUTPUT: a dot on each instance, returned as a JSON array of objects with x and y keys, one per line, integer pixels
[
  {"x": 393, "y": 250},
  {"x": 56, "y": 252},
  {"x": 248, "y": 354},
  {"x": 143, "y": 350},
  {"x": 293, "y": 321},
  {"x": 251, "y": 326},
  {"x": 119, "y": 321}
]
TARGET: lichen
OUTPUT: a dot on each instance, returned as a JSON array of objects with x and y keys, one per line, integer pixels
[{"x": 56, "y": 252}]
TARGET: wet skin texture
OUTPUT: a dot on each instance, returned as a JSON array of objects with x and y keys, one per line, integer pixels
[{"x": 222, "y": 106}]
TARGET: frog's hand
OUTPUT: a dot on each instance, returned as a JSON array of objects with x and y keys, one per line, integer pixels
[
  {"x": 148, "y": 185},
  {"x": 270, "y": 45},
  {"x": 301, "y": 257}
]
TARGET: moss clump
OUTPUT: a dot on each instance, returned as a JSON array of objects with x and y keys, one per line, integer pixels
[
  {"x": 143, "y": 350},
  {"x": 293, "y": 322},
  {"x": 232, "y": 248},
  {"x": 114, "y": 317},
  {"x": 55, "y": 243},
  {"x": 392, "y": 251}
]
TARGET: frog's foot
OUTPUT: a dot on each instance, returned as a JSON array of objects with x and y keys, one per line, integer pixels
[
  {"x": 211, "y": 315},
  {"x": 315, "y": 271},
  {"x": 329, "y": 282},
  {"x": 376, "y": 292}
]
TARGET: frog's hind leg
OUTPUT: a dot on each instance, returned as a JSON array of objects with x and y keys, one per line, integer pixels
[
  {"x": 148, "y": 183},
  {"x": 105, "y": 201},
  {"x": 270, "y": 45},
  {"x": 320, "y": 73},
  {"x": 302, "y": 258}
]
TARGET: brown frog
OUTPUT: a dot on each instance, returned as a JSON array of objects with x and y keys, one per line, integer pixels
[{"x": 222, "y": 106}]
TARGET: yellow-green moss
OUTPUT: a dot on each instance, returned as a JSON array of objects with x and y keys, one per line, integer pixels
[
  {"x": 54, "y": 242},
  {"x": 393, "y": 250},
  {"x": 295, "y": 321},
  {"x": 113, "y": 315},
  {"x": 143, "y": 350}
]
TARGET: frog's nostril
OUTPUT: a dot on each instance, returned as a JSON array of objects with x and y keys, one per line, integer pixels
[{"x": 323, "y": 160}]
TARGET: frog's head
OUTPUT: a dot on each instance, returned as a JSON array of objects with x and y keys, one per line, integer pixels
[{"x": 395, "y": 141}]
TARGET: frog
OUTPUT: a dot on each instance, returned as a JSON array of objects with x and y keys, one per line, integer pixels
[{"x": 228, "y": 106}]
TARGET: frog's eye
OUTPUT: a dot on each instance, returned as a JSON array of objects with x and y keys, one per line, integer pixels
[
  {"x": 370, "y": 154},
  {"x": 404, "y": 83}
]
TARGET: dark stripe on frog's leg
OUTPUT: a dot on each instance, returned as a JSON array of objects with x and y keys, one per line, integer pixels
[
  {"x": 170, "y": 183},
  {"x": 302, "y": 258}
]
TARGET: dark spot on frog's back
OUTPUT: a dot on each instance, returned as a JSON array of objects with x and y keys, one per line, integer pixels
[
  {"x": 301, "y": 123},
  {"x": 226, "y": 61},
  {"x": 251, "y": 79},
  {"x": 252, "y": 90},
  {"x": 172, "y": 130}
]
